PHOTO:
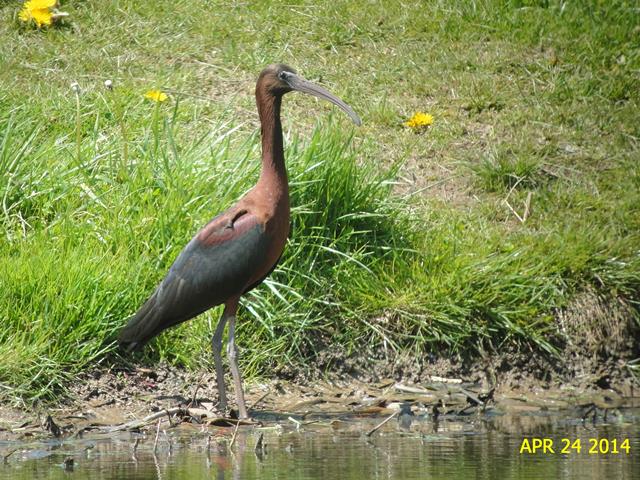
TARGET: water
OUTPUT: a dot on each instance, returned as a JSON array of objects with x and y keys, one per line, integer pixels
[{"x": 453, "y": 447}]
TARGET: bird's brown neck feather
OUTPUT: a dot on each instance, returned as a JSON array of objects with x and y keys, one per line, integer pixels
[{"x": 274, "y": 172}]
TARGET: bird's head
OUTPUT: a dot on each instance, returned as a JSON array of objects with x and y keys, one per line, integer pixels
[{"x": 278, "y": 79}]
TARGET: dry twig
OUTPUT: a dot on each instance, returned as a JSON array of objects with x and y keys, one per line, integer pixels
[
  {"x": 155, "y": 442},
  {"x": 235, "y": 432},
  {"x": 381, "y": 424}
]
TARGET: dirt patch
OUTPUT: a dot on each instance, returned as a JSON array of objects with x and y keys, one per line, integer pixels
[
  {"x": 433, "y": 180},
  {"x": 598, "y": 326}
]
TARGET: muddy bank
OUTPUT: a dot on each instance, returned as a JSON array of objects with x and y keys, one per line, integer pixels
[
  {"x": 598, "y": 371},
  {"x": 115, "y": 396}
]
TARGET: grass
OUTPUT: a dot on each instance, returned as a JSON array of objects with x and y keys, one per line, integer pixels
[{"x": 524, "y": 192}]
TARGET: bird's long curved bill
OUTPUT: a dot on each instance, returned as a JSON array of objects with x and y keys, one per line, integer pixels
[{"x": 302, "y": 85}]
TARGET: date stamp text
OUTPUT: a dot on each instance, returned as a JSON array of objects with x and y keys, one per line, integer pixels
[{"x": 566, "y": 446}]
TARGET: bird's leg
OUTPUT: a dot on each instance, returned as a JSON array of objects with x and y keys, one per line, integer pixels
[
  {"x": 216, "y": 346},
  {"x": 232, "y": 352}
]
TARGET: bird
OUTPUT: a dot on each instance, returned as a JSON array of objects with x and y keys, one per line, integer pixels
[{"x": 237, "y": 249}]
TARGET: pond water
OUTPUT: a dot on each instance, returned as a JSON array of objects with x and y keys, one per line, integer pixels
[{"x": 486, "y": 446}]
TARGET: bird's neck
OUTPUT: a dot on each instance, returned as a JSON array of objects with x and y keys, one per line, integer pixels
[{"x": 274, "y": 172}]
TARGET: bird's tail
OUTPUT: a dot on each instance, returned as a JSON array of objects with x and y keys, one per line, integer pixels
[{"x": 141, "y": 327}]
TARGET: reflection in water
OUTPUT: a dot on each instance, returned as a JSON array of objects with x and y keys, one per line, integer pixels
[{"x": 478, "y": 447}]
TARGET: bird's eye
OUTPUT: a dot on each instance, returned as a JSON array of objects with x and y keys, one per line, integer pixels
[{"x": 283, "y": 75}]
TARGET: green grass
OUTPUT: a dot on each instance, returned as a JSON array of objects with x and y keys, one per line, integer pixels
[{"x": 524, "y": 192}]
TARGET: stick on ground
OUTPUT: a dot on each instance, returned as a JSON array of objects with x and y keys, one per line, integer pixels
[
  {"x": 155, "y": 442},
  {"x": 381, "y": 424},
  {"x": 235, "y": 432}
]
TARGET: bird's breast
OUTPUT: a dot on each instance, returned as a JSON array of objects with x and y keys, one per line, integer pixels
[
  {"x": 275, "y": 218},
  {"x": 277, "y": 227}
]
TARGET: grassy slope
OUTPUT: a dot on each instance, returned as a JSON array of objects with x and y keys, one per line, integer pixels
[{"x": 535, "y": 104}]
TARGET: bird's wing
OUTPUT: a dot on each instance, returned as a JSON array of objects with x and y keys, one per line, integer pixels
[{"x": 214, "y": 266}]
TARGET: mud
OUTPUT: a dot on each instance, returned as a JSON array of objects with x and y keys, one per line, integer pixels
[
  {"x": 598, "y": 372},
  {"x": 103, "y": 399}
]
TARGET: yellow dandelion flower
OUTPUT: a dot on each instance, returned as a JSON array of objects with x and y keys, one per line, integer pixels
[
  {"x": 156, "y": 95},
  {"x": 42, "y": 17},
  {"x": 419, "y": 121},
  {"x": 39, "y": 11}
]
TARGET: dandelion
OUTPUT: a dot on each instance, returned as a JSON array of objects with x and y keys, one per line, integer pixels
[
  {"x": 419, "y": 121},
  {"x": 156, "y": 95},
  {"x": 41, "y": 12},
  {"x": 108, "y": 84}
]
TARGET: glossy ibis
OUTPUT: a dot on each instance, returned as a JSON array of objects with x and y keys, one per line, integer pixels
[{"x": 236, "y": 250}]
